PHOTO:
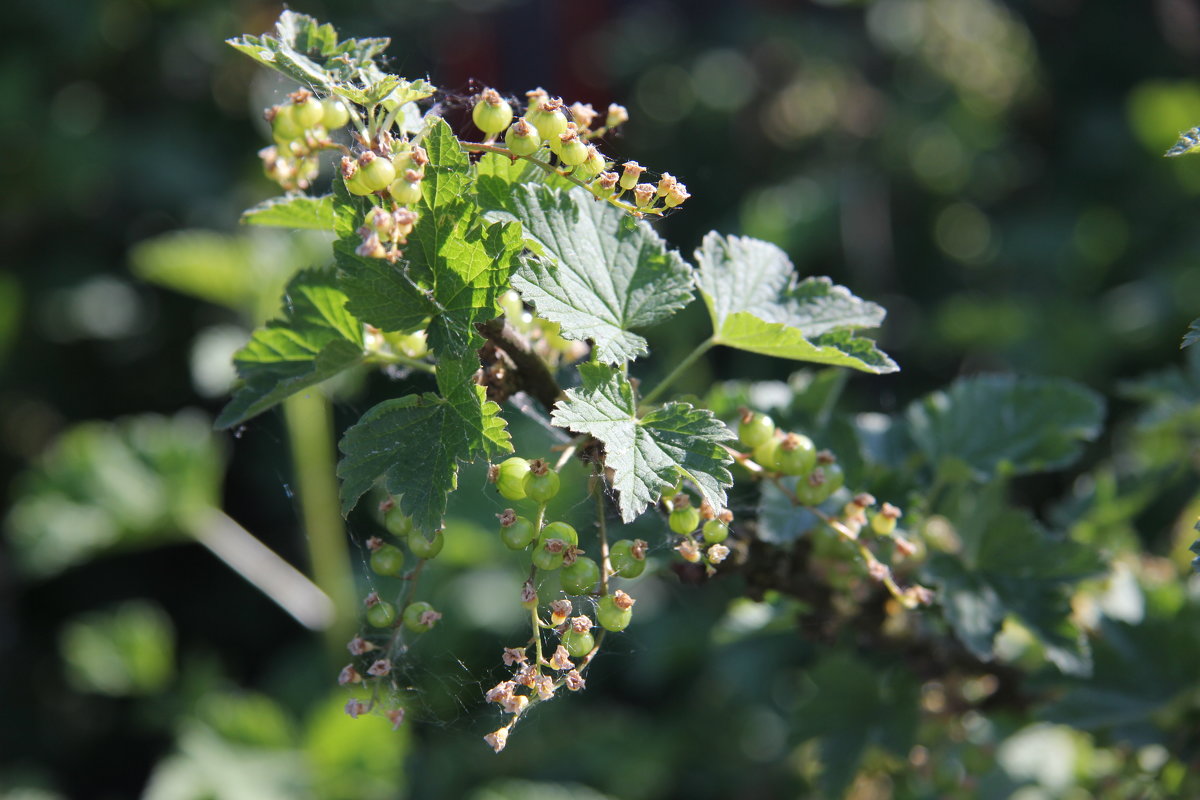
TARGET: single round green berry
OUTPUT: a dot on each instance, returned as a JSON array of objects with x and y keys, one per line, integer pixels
[
  {"x": 820, "y": 484},
  {"x": 492, "y": 113},
  {"x": 550, "y": 122},
  {"x": 541, "y": 484},
  {"x": 578, "y": 643},
  {"x": 510, "y": 478},
  {"x": 334, "y": 114},
  {"x": 419, "y": 617},
  {"x": 627, "y": 559},
  {"x": 766, "y": 455},
  {"x": 309, "y": 112},
  {"x": 610, "y": 616},
  {"x": 573, "y": 152},
  {"x": 376, "y": 173},
  {"x": 755, "y": 428},
  {"x": 381, "y": 614},
  {"x": 284, "y": 125},
  {"x": 523, "y": 138},
  {"x": 797, "y": 455},
  {"x": 546, "y": 559},
  {"x": 356, "y": 185},
  {"x": 406, "y": 193},
  {"x": 518, "y": 535},
  {"x": 398, "y": 523},
  {"x": 883, "y": 524},
  {"x": 403, "y": 161},
  {"x": 425, "y": 548},
  {"x": 580, "y": 577},
  {"x": 714, "y": 531},
  {"x": 560, "y": 530},
  {"x": 684, "y": 520},
  {"x": 388, "y": 560}
]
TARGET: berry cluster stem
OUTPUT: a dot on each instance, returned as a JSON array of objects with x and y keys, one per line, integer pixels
[{"x": 601, "y": 531}]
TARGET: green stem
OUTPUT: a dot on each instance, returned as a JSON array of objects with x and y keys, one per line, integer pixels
[
  {"x": 679, "y": 370},
  {"x": 403, "y": 360},
  {"x": 310, "y": 431},
  {"x": 601, "y": 532}
]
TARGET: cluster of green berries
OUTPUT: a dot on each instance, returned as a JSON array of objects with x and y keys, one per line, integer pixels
[
  {"x": 392, "y": 171},
  {"x": 387, "y": 560},
  {"x": 703, "y": 529},
  {"x": 300, "y": 128},
  {"x": 793, "y": 454},
  {"x": 568, "y": 132}
]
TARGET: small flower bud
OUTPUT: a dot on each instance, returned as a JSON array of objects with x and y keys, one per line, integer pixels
[
  {"x": 878, "y": 570},
  {"x": 349, "y": 675},
  {"x": 382, "y": 222},
  {"x": 677, "y": 194},
  {"x": 354, "y": 707},
  {"x": 633, "y": 171},
  {"x": 583, "y": 114},
  {"x": 904, "y": 547},
  {"x": 863, "y": 500},
  {"x": 405, "y": 219},
  {"x": 561, "y": 659},
  {"x": 371, "y": 247},
  {"x": 665, "y": 184},
  {"x": 717, "y": 553},
  {"x": 919, "y": 594},
  {"x": 358, "y": 646},
  {"x": 643, "y": 194},
  {"x": 617, "y": 115},
  {"x": 575, "y": 681},
  {"x": 608, "y": 180},
  {"x": 559, "y": 611},
  {"x": 688, "y": 549},
  {"x": 528, "y": 593},
  {"x": 380, "y": 668}
]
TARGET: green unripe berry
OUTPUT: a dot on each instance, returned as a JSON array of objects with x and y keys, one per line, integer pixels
[
  {"x": 425, "y": 548},
  {"x": 545, "y": 559},
  {"x": 284, "y": 125},
  {"x": 376, "y": 173},
  {"x": 580, "y": 577},
  {"x": 592, "y": 166},
  {"x": 550, "y": 122},
  {"x": 403, "y": 161},
  {"x": 356, "y": 185},
  {"x": 820, "y": 484},
  {"x": 388, "y": 560},
  {"x": 541, "y": 484},
  {"x": 714, "y": 531},
  {"x": 684, "y": 520},
  {"x": 523, "y": 138},
  {"x": 381, "y": 614},
  {"x": 308, "y": 113},
  {"x": 413, "y": 617},
  {"x": 404, "y": 192},
  {"x": 560, "y": 530},
  {"x": 578, "y": 643},
  {"x": 518, "y": 535},
  {"x": 334, "y": 114},
  {"x": 755, "y": 429},
  {"x": 611, "y": 616},
  {"x": 492, "y": 113},
  {"x": 398, "y": 523},
  {"x": 797, "y": 455},
  {"x": 766, "y": 455},
  {"x": 572, "y": 152},
  {"x": 627, "y": 558},
  {"x": 883, "y": 524},
  {"x": 510, "y": 478}
]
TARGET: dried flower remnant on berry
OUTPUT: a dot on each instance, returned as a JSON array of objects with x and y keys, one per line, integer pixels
[
  {"x": 617, "y": 115},
  {"x": 688, "y": 549},
  {"x": 608, "y": 180},
  {"x": 575, "y": 681},
  {"x": 526, "y": 676},
  {"x": 354, "y": 707},
  {"x": 559, "y": 611},
  {"x": 514, "y": 655},
  {"x": 717, "y": 553},
  {"x": 622, "y": 600},
  {"x": 374, "y": 543},
  {"x": 430, "y": 617},
  {"x": 515, "y": 703},
  {"x": 583, "y": 114},
  {"x": 544, "y": 686},
  {"x": 528, "y": 592},
  {"x": 561, "y": 659},
  {"x": 904, "y": 547},
  {"x": 500, "y": 692},
  {"x": 581, "y": 624},
  {"x": 497, "y": 739},
  {"x": 396, "y": 717},
  {"x": 631, "y": 174},
  {"x": 358, "y": 646},
  {"x": 380, "y": 668},
  {"x": 349, "y": 675}
]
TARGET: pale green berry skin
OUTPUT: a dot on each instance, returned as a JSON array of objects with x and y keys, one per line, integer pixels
[
  {"x": 714, "y": 531},
  {"x": 577, "y": 643},
  {"x": 402, "y": 162},
  {"x": 308, "y": 114},
  {"x": 510, "y": 478},
  {"x": 684, "y": 520},
  {"x": 518, "y": 535},
  {"x": 799, "y": 460},
  {"x": 572, "y": 153},
  {"x": 523, "y": 145},
  {"x": 284, "y": 126},
  {"x": 381, "y": 615},
  {"x": 398, "y": 523},
  {"x": 426, "y": 548},
  {"x": 404, "y": 192},
  {"x": 541, "y": 488},
  {"x": 545, "y": 560},
  {"x": 610, "y": 617},
  {"x": 882, "y": 524},
  {"x": 377, "y": 174},
  {"x": 560, "y": 530},
  {"x": 412, "y": 617},
  {"x": 388, "y": 561},
  {"x": 491, "y": 119},
  {"x": 623, "y": 562},
  {"x": 581, "y": 577},
  {"x": 759, "y": 429},
  {"x": 550, "y": 125},
  {"x": 356, "y": 185},
  {"x": 334, "y": 114},
  {"x": 766, "y": 455},
  {"x": 829, "y": 479},
  {"x": 592, "y": 166}
]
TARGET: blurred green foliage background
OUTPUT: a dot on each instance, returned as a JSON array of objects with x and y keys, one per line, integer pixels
[{"x": 988, "y": 171}]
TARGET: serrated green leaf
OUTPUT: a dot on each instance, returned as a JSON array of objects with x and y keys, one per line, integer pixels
[
  {"x": 1193, "y": 334},
  {"x": 647, "y": 454},
  {"x": 599, "y": 274},
  {"x": 499, "y": 176},
  {"x": 414, "y": 444},
  {"x": 295, "y": 211},
  {"x": 852, "y": 706},
  {"x": 455, "y": 264},
  {"x": 408, "y": 92},
  {"x": 1009, "y": 565},
  {"x": 995, "y": 422},
  {"x": 756, "y": 304},
  {"x": 317, "y": 339}
]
